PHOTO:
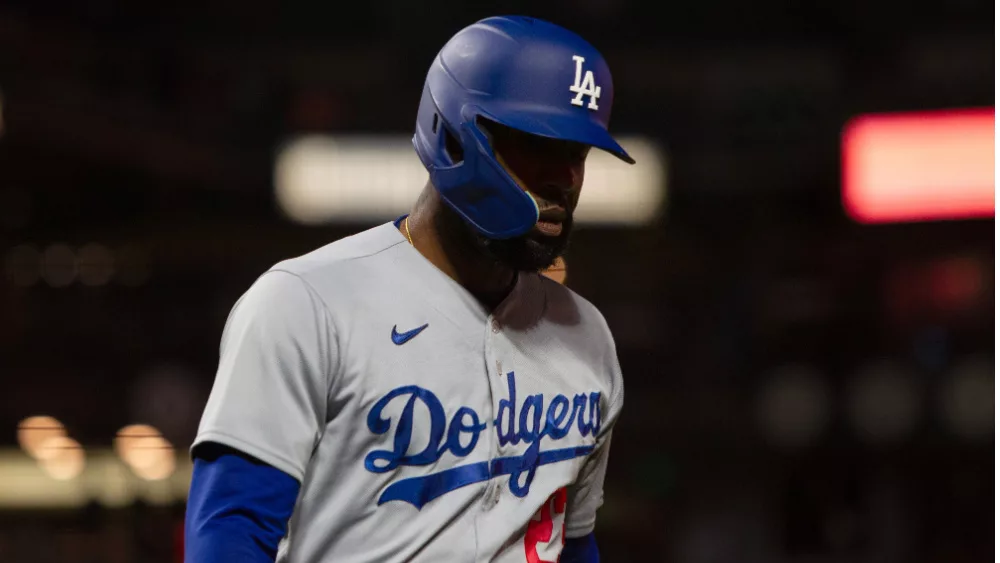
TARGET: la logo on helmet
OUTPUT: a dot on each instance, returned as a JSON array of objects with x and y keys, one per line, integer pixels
[{"x": 584, "y": 85}]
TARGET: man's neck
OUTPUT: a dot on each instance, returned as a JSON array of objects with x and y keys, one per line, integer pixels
[{"x": 488, "y": 281}]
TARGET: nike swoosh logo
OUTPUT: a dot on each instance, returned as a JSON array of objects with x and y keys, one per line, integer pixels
[{"x": 400, "y": 338}]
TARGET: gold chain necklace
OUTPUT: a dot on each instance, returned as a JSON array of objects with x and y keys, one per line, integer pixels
[{"x": 406, "y": 225}]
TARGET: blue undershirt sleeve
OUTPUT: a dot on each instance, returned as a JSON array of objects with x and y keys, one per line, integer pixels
[
  {"x": 238, "y": 507},
  {"x": 580, "y": 550}
]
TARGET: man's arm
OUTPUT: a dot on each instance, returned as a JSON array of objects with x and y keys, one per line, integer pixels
[
  {"x": 238, "y": 507},
  {"x": 586, "y": 495},
  {"x": 264, "y": 417}
]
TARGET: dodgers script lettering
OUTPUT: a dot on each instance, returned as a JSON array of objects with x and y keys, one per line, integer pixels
[{"x": 527, "y": 423}]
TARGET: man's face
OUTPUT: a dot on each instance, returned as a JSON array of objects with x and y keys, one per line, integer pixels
[{"x": 551, "y": 171}]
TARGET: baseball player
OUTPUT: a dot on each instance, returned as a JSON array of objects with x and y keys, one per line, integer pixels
[{"x": 418, "y": 391}]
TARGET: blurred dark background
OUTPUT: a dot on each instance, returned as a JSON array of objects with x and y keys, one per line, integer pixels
[{"x": 800, "y": 387}]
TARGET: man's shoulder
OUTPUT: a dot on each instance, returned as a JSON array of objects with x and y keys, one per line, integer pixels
[
  {"x": 327, "y": 278},
  {"x": 593, "y": 337},
  {"x": 564, "y": 302},
  {"x": 346, "y": 257}
]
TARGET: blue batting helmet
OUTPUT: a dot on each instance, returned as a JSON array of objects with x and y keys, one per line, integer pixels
[{"x": 522, "y": 73}]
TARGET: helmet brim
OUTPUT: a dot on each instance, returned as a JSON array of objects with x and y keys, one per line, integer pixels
[{"x": 565, "y": 127}]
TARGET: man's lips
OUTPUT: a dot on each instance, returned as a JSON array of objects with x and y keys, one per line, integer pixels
[
  {"x": 550, "y": 221},
  {"x": 549, "y": 228}
]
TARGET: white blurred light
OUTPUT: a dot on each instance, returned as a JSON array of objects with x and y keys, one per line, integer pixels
[
  {"x": 616, "y": 193},
  {"x": 23, "y": 265},
  {"x": 96, "y": 264},
  {"x": 966, "y": 403},
  {"x": 33, "y": 431},
  {"x": 883, "y": 402},
  {"x": 181, "y": 478},
  {"x": 320, "y": 179},
  {"x": 794, "y": 405},
  {"x": 113, "y": 490},
  {"x": 62, "y": 458},
  {"x": 59, "y": 265},
  {"x": 25, "y": 484}
]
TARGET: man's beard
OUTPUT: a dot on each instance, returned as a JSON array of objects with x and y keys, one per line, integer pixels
[{"x": 532, "y": 252}]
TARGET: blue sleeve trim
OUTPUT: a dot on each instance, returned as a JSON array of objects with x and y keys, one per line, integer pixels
[
  {"x": 581, "y": 550},
  {"x": 238, "y": 508}
]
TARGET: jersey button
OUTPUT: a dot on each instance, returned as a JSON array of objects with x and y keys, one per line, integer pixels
[{"x": 496, "y": 327}]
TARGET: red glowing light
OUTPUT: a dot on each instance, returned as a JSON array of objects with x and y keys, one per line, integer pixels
[{"x": 919, "y": 166}]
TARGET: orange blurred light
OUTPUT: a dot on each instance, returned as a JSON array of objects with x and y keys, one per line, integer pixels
[
  {"x": 157, "y": 463},
  {"x": 146, "y": 451},
  {"x": 134, "y": 435},
  {"x": 33, "y": 431},
  {"x": 919, "y": 166},
  {"x": 62, "y": 458}
]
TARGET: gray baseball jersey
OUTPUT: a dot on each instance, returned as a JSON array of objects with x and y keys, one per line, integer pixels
[{"x": 421, "y": 426}]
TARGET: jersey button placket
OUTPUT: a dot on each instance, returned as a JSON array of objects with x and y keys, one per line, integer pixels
[
  {"x": 491, "y": 493},
  {"x": 495, "y": 329},
  {"x": 499, "y": 385}
]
